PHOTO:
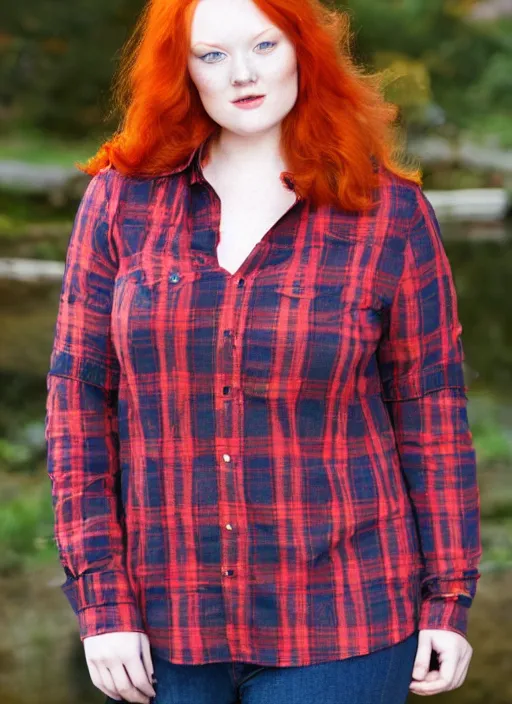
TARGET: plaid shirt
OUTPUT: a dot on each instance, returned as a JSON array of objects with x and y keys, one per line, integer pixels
[{"x": 273, "y": 466}]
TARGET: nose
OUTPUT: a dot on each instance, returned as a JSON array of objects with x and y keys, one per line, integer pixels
[
  {"x": 242, "y": 73},
  {"x": 238, "y": 81}
]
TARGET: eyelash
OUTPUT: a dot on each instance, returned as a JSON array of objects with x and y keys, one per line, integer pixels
[{"x": 220, "y": 52}]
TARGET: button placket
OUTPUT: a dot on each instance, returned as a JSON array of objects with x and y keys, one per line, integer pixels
[
  {"x": 225, "y": 405},
  {"x": 227, "y": 526},
  {"x": 227, "y": 366}
]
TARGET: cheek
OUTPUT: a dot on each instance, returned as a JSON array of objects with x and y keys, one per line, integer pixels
[
  {"x": 290, "y": 68},
  {"x": 284, "y": 86},
  {"x": 208, "y": 84},
  {"x": 284, "y": 73}
]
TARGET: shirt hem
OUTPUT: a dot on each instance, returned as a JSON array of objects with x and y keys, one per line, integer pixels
[{"x": 294, "y": 661}]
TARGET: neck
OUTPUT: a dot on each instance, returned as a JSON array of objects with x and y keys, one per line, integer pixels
[{"x": 260, "y": 152}]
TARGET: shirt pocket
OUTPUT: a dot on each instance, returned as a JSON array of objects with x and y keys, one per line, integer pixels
[
  {"x": 150, "y": 269},
  {"x": 145, "y": 279},
  {"x": 300, "y": 331},
  {"x": 325, "y": 303}
]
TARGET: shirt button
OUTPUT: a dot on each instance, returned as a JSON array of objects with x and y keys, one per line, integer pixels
[
  {"x": 226, "y": 458},
  {"x": 241, "y": 282},
  {"x": 227, "y": 573},
  {"x": 226, "y": 390},
  {"x": 174, "y": 277},
  {"x": 227, "y": 333},
  {"x": 229, "y": 526}
]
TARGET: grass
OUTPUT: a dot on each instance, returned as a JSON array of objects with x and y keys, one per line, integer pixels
[{"x": 37, "y": 148}]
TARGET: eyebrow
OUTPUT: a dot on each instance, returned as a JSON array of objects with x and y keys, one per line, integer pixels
[{"x": 258, "y": 35}]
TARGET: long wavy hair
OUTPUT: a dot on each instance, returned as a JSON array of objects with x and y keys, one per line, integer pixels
[{"x": 339, "y": 129}]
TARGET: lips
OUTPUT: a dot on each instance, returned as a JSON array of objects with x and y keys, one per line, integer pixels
[{"x": 248, "y": 97}]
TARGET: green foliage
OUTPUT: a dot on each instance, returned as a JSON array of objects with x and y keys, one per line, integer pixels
[
  {"x": 491, "y": 443},
  {"x": 56, "y": 61},
  {"x": 494, "y": 86},
  {"x": 468, "y": 63},
  {"x": 26, "y": 523},
  {"x": 13, "y": 454}
]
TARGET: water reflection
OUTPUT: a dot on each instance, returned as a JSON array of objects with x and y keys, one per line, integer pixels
[{"x": 481, "y": 260}]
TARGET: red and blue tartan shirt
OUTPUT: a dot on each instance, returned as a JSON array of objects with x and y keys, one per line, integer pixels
[{"x": 272, "y": 466}]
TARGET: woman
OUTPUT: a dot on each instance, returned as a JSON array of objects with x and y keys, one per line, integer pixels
[{"x": 263, "y": 476}]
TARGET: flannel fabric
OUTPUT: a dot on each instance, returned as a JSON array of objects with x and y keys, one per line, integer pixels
[{"x": 273, "y": 466}]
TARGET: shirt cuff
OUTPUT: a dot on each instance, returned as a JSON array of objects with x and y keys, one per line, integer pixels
[
  {"x": 110, "y": 618},
  {"x": 103, "y": 603},
  {"x": 444, "y": 613}
]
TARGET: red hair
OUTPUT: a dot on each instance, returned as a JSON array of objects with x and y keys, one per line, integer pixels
[{"x": 338, "y": 129}]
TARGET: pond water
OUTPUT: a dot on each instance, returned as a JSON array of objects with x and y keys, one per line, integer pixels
[{"x": 41, "y": 658}]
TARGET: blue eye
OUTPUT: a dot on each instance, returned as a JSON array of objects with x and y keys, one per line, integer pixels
[
  {"x": 273, "y": 43},
  {"x": 212, "y": 53}
]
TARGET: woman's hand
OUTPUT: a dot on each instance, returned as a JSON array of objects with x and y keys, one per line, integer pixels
[
  {"x": 120, "y": 665},
  {"x": 453, "y": 652}
]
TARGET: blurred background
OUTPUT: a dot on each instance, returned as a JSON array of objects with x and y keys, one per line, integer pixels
[{"x": 448, "y": 65}]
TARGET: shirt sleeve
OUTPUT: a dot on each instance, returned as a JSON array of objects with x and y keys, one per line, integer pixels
[
  {"x": 81, "y": 425},
  {"x": 421, "y": 365}
]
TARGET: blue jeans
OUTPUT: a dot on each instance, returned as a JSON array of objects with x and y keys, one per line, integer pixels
[{"x": 381, "y": 677}]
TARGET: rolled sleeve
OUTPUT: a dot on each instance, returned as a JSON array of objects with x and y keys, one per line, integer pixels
[
  {"x": 81, "y": 424},
  {"x": 421, "y": 367}
]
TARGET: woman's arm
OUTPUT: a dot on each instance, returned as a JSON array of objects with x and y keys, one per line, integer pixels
[
  {"x": 420, "y": 359},
  {"x": 81, "y": 423}
]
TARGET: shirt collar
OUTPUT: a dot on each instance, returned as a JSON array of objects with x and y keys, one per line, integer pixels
[{"x": 192, "y": 164}]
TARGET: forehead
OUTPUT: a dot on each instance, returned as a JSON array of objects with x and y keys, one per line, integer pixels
[{"x": 222, "y": 20}]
